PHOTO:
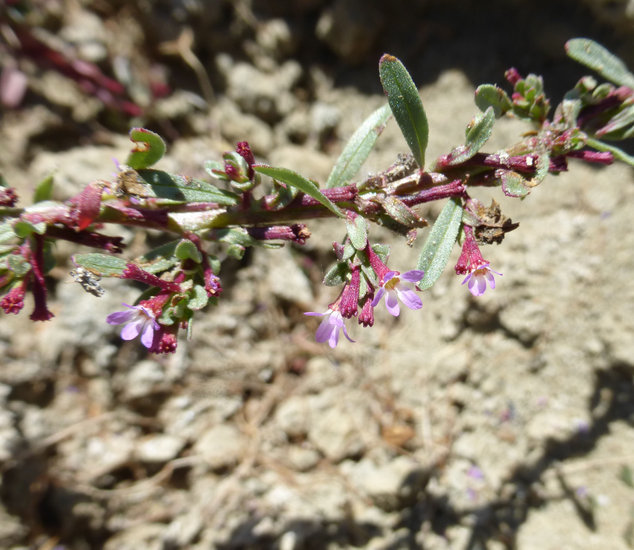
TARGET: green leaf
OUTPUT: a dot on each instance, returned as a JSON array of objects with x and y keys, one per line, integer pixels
[
  {"x": 300, "y": 182},
  {"x": 402, "y": 95},
  {"x": 197, "y": 298},
  {"x": 186, "y": 250},
  {"x": 436, "y": 250},
  {"x": 358, "y": 232},
  {"x": 101, "y": 264},
  {"x": 619, "y": 154},
  {"x": 400, "y": 212},
  {"x": 25, "y": 228},
  {"x": 44, "y": 189},
  {"x": 18, "y": 265},
  {"x": 337, "y": 274},
  {"x": 358, "y": 148},
  {"x": 6, "y": 232},
  {"x": 148, "y": 150},
  {"x": 593, "y": 55},
  {"x": 160, "y": 258},
  {"x": 216, "y": 169},
  {"x": 514, "y": 184},
  {"x": 181, "y": 189},
  {"x": 488, "y": 95},
  {"x": 478, "y": 133},
  {"x": 620, "y": 121}
]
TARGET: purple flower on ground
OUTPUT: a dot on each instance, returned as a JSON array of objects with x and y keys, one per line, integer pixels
[
  {"x": 396, "y": 286},
  {"x": 328, "y": 330},
  {"x": 477, "y": 279},
  {"x": 138, "y": 320}
]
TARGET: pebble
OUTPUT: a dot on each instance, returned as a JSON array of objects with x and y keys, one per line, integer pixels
[
  {"x": 159, "y": 448},
  {"x": 221, "y": 446}
]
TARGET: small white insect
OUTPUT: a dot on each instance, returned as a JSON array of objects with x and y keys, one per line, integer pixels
[{"x": 88, "y": 281}]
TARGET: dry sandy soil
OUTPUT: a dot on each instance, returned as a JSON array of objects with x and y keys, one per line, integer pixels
[{"x": 500, "y": 422}]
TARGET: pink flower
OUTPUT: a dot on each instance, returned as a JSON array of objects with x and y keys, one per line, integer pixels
[
  {"x": 138, "y": 320},
  {"x": 396, "y": 286},
  {"x": 477, "y": 279},
  {"x": 328, "y": 330}
]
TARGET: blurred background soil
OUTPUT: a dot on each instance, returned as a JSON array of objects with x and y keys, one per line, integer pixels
[{"x": 500, "y": 422}]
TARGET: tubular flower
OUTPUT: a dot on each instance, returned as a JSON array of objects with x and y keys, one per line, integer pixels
[
  {"x": 477, "y": 279},
  {"x": 474, "y": 266},
  {"x": 328, "y": 330},
  {"x": 138, "y": 320},
  {"x": 396, "y": 286}
]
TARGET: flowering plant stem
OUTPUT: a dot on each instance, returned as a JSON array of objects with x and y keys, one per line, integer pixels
[{"x": 230, "y": 211}]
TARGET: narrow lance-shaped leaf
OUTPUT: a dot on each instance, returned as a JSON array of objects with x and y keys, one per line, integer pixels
[
  {"x": 358, "y": 148},
  {"x": 402, "y": 95},
  {"x": 598, "y": 58},
  {"x": 299, "y": 182},
  {"x": 435, "y": 253},
  {"x": 148, "y": 149}
]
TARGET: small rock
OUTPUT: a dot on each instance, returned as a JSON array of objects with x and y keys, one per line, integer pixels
[
  {"x": 182, "y": 531},
  {"x": 221, "y": 446},
  {"x": 350, "y": 28},
  {"x": 9, "y": 436},
  {"x": 146, "y": 535},
  {"x": 292, "y": 416},
  {"x": 391, "y": 486},
  {"x": 237, "y": 126},
  {"x": 324, "y": 118},
  {"x": 302, "y": 459},
  {"x": 266, "y": 95},
  {"x": 286, "y": 279},
  {"x": 339, "y": 423},
  {"x": 159, "y": 448}
]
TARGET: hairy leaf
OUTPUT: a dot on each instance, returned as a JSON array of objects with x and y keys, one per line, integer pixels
[
  {"x": 358, "y": 148},
  {"x": 436, "y": 250},
  {"x": 101, "y": 264},
  {"x": 593, "y": 55},
  {"x": 402, "y": 95}
]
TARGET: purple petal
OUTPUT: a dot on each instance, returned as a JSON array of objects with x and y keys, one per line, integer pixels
[
  {"x": 389, "y": 275},
  {"x": 409, "y": 298},
  {"x": 491, "y": 279},
  {"x": 324, "y": 331},
  {"x": 412, "y": 276},
  {"x": 147, "y": 334},
  {"x": 378, "y": 296},
  {"x": 477, "y": 285},
  {"x": 391, "y": 303},
  {"x": 468, "y": 278},
  {"x": 345, "y": 333},
  {"x": 334, "y": 338},
  {"x": 132, "y": 329},
  {"x": 119, "y": 317},
  {"x": 315, "y": 313}
]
